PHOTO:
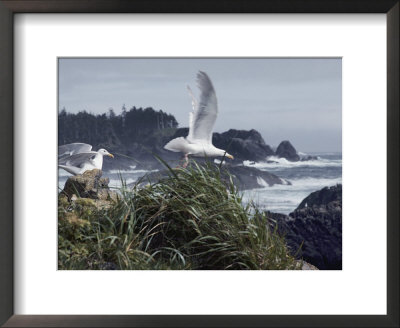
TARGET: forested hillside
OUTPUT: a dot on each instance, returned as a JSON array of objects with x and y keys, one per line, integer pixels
[
  {"x": 124, "y": 132},
  {"x": 111, "y": 129}
]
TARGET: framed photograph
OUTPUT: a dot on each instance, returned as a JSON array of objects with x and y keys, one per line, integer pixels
[
  {"x": 206, "y": 164},
  {"x": 135, "y": 151}
]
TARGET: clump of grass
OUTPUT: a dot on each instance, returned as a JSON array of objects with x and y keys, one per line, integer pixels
[{"x": 191, "y": 219}]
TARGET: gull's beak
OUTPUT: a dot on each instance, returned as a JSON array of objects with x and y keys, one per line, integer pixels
[
  {"x": 111, "y": 155},
  {"x": 229, "y": 156}
]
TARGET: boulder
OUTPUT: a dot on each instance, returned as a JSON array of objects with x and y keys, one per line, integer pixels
[
  {"x": 88, "y": 185},
  {"x": 316, "y": 226},
  {"x": 286, "y": 150}
]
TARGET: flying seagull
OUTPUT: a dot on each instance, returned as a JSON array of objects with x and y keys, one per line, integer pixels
[
  {"x": 201, "y": 122},
  {"x": 77, "y": 158}
]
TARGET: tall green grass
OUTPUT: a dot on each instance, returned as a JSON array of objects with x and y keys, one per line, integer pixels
[{"x": 191, "y": 219}]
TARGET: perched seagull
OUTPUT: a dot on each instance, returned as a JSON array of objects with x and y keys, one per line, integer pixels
[
  {"x": 77, "y": 158},
  {"x": 201, "y": 122}
]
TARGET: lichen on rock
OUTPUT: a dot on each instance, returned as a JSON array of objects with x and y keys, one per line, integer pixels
[{"x": 89, "y": 189}]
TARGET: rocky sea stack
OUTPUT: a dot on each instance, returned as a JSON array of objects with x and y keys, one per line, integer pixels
[
  {"x": 286, "y": 150},
  {"x": 243, "y": 145}
]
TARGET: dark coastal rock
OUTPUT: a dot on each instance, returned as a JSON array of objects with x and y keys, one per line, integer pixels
[
  {"x": 88, "y": 185},
  {"x": 309, "y": 158},
  {"x": 286, "y": 150},
  {"x": 316, "y": 226},
  {"x": 250, "y": 177},
  {"x": 322, "y": 197},
  {"x": 249, "y": 135},
  {"x": 243, "y": 177},
  {"x": 242, "y": 144}
]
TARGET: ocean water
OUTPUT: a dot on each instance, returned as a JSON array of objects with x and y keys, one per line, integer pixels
[{"x": 305, "y": 177}]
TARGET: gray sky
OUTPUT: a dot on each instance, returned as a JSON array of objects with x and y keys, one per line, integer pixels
[{"x": 284, "y": 99}]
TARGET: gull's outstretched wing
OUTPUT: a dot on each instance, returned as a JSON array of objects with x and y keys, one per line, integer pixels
[
  {"x": 66, "y": 151},
  {"x": 202, "y": 119},
  {"x": 78, "y": 160},
  {"x": 194, "y": 106}
]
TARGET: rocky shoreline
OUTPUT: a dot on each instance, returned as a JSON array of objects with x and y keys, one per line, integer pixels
[
  {"x": 313, "y": 231},
  {"x": 244, "y": 145}
]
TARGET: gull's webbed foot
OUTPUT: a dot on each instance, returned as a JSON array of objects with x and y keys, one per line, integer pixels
[{"x": 185, "y": 164}]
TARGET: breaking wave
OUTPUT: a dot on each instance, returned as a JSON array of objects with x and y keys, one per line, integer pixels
[
  {"x": 262, "y": 182},
  {"x": 276, "y": 162}
]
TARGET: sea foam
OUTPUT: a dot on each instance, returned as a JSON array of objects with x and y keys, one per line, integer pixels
[{"x": 276, "y": 162}]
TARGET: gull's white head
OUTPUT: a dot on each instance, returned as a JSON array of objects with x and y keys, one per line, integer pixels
[
  {"x": 228, "y": 156},
  {"x": 105, "y": 152},
  {"x": 221, "y": 152}
]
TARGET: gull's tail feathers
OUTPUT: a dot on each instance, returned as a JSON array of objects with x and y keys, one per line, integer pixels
[{"x": 177, "y": 145}]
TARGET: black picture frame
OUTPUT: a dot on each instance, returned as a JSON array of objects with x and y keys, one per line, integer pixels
[{"x": 7, "y": 10}]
